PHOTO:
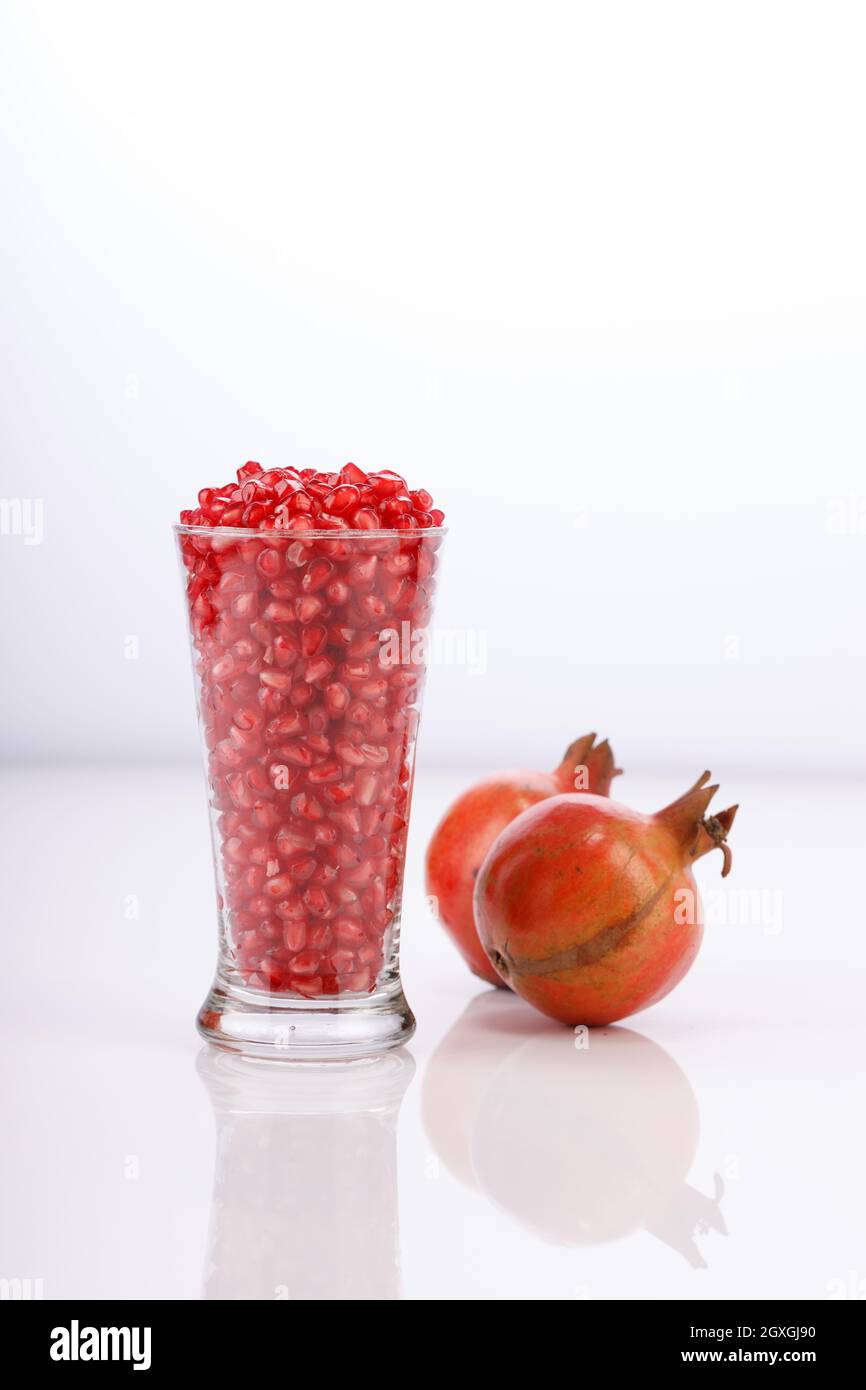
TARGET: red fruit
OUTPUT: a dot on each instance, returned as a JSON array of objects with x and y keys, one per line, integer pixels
[
  {"x": 469, "y": 827},
  {"x": 589, "y": 910}
]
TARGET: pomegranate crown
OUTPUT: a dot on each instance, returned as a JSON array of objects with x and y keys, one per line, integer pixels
[
  {"x": 697, "y": 832},
  {"x": 593, "y": 762}
]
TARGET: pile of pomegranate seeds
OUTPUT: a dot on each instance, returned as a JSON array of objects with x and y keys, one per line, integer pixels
[
  {"x": 309, "y": 721},
  {"x": 285, "y": 499}
]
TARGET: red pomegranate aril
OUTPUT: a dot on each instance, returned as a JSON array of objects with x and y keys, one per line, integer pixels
[
  {"x": 350, "y": 473},
  {"x": 305, "y": 963},
  {"x": 280, "y": 885},
  {"x": 362, "y": 572},
  {"x": 301, "y": 694},
  {"x": 356, "y": 669},
  {"x": 291, "y": 910},
  {"x": 316, "y": 900},
  {"x": 269, "y": 564},
  {"x": 347, "y": 932},
  {"x": 265, "y": 814},
  {"x": 316, "y": 575},
  {"x": 346, "y": 817},
  {"x": 356, "y": 983},
  {"x": 292, "y": 722},
  {"x": 307, "y": 806},
  {"x": 300, "y": 869},
  {"x": 324, "y": 772},
  {"x": 318, "y": 669},
  {"x": 349, "y": 754},
  {"x": 373, "y": 607},
  {"x": 309, "y": 988},
  {"x": 337, "y": 592},
  {"x": 290, "y": 842},
  {"x": 295, "y": 936},
  {"x": 365, "y": 784},
  {"x": 279, "y": 681},
  {"x": 309, "y": 608},
  {"x": 277, "y": 612},
  {"x": 338, "y": 793},
  {"x": 325, "y": 833},
  {"x": 359, "y": 713},
  {"x": 336, "y": 697},
  {"x": 298, "y": 754},
  {"x": 386, "y": 484},
  {"x": 343, "y": 498},
  {"x": 374, "y": 755},
  {"x": 376, "y": 688}
]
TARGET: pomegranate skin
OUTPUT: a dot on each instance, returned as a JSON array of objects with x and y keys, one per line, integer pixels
[
  {"x": 471, "y": 824},
  {"x": 589, "y": 909}
]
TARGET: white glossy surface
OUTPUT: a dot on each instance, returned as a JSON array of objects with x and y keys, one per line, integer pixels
[{"x": 713, "y": 1147}]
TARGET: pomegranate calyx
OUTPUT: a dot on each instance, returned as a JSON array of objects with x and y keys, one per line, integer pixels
[
  {"x": 574, "y": 760},
  {"x": 601, "y": 768},
  {"x": 716, "y": 830},
  {"x": 697, "y": 832}
]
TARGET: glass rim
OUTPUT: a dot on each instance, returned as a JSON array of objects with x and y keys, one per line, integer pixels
[{"x": 253, "y": 532}]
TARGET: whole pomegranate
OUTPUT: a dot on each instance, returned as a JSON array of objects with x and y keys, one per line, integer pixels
[
  {"x": 589, "y": 910},
  {"x": 471, "y": 824}
]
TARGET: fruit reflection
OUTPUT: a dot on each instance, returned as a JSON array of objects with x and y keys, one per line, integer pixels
[
  {"x": 305, "y": 1188},
  {"x": 581, "y": 1145}
]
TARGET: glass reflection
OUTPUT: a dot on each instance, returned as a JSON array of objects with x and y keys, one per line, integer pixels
[{"x": 305, "y": 1187}]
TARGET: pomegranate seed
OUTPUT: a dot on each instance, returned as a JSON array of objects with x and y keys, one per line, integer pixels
[
  {"x": 336, "y": 697},
  {"x": 301, "y": 869},
  {"x": 346, "y": 817},
  {"x": 305, "y": 963},
  {"x": 386, "y": 484},
  {"x": 356, "y": 983},
  {"x": 276, "y": 680},
  {"x": 280, "y": 884},
  {"x": 318, "y": 669},
  {"x": 351, "y": 474},
  {"x": 295, "y": 936},
  {"x": 307, "y": 806},
  {"x": 347, "y": 932},
  {"x": 301, "y": 694},
  {"x": 343, "y": 498},
  {"x": 366, "y": 785},
  {"x": 277, "y": 612},
  {"x": 316, "y": 900},
  {"x": 290, "y": 841},
  {"x": 309, "y": 988},
  {"x": 309, "y": 608},
  {"x": 337, "y": 592},
  {"x": 316, "y": 575},
  {"x": 324, "y": 772},
  {"x": 348, "y": 753}
]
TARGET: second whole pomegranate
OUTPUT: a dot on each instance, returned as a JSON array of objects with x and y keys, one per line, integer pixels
[{"x": 469, "y": 827}]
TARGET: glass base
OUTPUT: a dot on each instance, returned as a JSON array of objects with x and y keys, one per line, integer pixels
[{"x": 301, "y": 1030}]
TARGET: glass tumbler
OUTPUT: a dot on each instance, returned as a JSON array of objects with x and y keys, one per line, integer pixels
[{"x": 309, "y": 653}]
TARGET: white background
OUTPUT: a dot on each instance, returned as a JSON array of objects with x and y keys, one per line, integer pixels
[{"x": 594, "y": 275}]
